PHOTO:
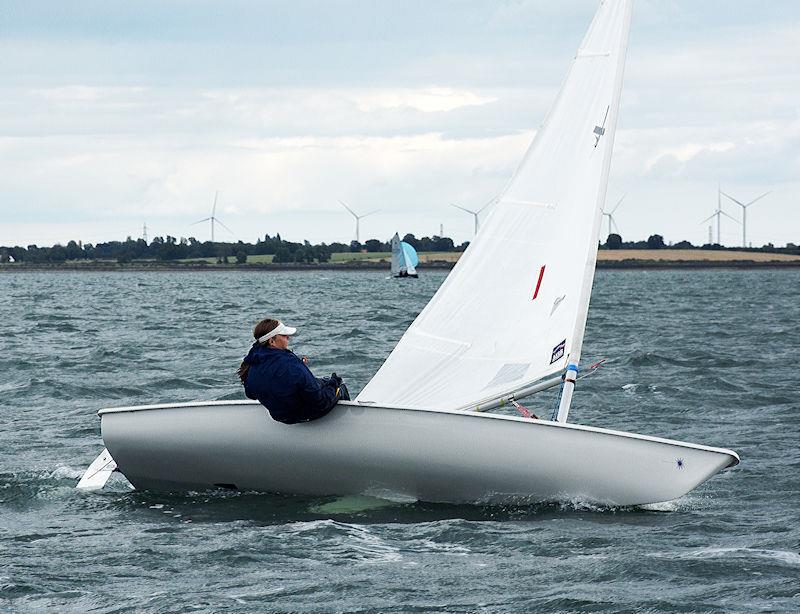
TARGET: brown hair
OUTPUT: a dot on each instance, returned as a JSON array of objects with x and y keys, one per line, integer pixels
[
  {"x": 262, "y": 328},
  {"x": 266, "y": 325}
]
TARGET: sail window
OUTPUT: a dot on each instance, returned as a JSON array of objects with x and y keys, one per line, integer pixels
[{"x": 509, "y": 372}]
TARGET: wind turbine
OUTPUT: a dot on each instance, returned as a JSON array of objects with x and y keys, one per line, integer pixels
[
  {"x": 610, "y": 215},
  {"x": 213, "y": 219},
  {"x": 358, "y": 219},
  {"x": 718, "y": 214},
  {"x": 474, "y": 213},
  {"x": 744, "y": 213}
]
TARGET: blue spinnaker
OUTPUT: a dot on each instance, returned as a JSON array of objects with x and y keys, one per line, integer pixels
[{"x": 410, "y": 253}]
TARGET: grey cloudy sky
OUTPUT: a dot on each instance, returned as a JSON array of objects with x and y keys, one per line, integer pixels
[{"x": 114, "y": 114}]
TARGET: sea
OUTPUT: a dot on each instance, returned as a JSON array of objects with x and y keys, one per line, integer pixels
[{"x": 707, "y": 356}]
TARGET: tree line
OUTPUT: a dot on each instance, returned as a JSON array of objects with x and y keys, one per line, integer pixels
[
  {"x": 614, "y": 241},
  {"x": 169, "y": 248}
]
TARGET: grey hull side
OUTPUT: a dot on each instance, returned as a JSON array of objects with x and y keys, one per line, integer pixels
[{"x": 436, "y": 456}]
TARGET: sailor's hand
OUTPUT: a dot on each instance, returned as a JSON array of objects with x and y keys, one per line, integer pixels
[{"x": 305, "y": 360}]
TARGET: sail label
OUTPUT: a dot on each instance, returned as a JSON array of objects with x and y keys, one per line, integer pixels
[
  {"x": 558, "y": 351},
  {"x": 538, "y": 282}
]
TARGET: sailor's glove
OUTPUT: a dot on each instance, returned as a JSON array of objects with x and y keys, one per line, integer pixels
[{"x": 335, "y": 380}]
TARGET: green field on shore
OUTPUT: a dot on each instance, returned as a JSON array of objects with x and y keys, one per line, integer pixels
[{"x": 267, "y": 258}]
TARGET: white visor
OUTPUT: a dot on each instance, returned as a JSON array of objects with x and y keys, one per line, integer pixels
[{"x": 280, "y": 329}]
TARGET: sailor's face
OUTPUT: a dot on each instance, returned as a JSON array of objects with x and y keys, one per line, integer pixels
[{"x": 281, "y": 342}]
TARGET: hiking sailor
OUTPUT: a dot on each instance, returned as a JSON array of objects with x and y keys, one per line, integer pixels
[{"x": 281, "y": 382}]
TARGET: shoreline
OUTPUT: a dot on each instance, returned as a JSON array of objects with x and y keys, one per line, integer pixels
[
  {"x": 692, "y": 259},
  {"x": 626, "y": 264}
]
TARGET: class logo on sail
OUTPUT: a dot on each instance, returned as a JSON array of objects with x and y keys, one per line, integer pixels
[{"x": 558, "y": 351}]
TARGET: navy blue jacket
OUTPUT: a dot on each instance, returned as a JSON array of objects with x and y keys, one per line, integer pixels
[{"x": 286, "y": 387}]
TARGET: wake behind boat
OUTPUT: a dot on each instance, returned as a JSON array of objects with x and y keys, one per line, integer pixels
[{"x": 416, "y": 429}]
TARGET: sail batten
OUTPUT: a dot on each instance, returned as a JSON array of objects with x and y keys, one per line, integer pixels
[{"x": 517, "y": 299}]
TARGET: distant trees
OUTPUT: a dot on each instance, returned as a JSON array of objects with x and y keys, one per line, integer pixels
[
  {"x": 302, "y": 253},
  {"x": 58, "y": 253},
  {"x": 656, "y": 241},
  {"x": 411, "y": 240},
  {"x": 431, "y": 244},
  {"x": 73, "y": 251},
  {"x": 373, "y": 245},
  {"x": 269, "y": 245},
  {"x": 170, "y": 248},
  {"x": 614, "y": 241}
]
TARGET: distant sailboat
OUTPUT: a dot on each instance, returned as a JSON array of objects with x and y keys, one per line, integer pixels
[
  {"x": 507, "y": 322},
  {"x": 404, "y": 258}
]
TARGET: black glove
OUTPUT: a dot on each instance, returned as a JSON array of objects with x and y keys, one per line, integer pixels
[{"x": 335, "y": 380}]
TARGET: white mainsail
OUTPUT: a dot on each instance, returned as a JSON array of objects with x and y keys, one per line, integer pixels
[{"x": 513, "y": 310}]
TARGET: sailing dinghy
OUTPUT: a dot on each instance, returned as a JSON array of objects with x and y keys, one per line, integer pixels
[
  {"x": 418, "y": 428},
  {"x": 404, "y": 258}
]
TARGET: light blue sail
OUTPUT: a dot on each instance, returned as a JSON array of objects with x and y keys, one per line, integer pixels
[{"x": 410, "y": 253}]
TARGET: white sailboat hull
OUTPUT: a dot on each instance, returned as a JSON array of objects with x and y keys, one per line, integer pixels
[{"x": 429, "y": 455}]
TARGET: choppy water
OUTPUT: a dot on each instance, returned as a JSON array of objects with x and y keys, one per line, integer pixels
[{"x": 709, "y": 357}]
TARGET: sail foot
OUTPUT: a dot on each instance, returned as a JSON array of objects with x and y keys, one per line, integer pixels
[{"x": 511, "y": 397}]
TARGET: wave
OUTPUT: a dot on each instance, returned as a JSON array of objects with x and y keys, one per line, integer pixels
[{"x": 742, "y": 552}]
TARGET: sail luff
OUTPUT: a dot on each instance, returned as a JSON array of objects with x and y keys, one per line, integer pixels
[{"x": 591, "y": 261}]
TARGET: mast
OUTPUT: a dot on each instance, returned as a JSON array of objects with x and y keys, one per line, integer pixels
[{"x": 571, "y": 373}]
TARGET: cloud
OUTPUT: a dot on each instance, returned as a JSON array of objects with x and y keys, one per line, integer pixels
[
  {"x": 671, "y": 160},
  {"x": 429, "y": 100},
  {"x": 287, "y": 108}
]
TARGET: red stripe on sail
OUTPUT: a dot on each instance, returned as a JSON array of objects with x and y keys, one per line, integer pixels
[{"x": 538, "y": 283}]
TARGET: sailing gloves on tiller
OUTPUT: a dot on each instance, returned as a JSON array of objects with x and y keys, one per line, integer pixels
[{"x": 341, "y": 389}]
